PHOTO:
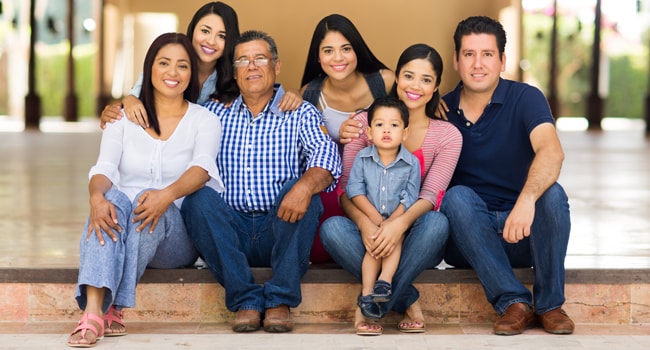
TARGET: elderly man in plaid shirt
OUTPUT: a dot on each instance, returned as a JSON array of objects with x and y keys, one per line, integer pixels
[{"x": 273, "y": 164}]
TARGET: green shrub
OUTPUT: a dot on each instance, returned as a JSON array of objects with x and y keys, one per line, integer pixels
[{"x": 51, "y": 77}]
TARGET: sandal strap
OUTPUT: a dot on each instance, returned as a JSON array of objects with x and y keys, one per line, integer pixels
[
  {"x": 85, "y": 325},
  {"x": 113, "y": 315}
]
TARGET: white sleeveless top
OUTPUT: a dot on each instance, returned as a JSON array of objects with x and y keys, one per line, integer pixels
[{"x": 332, "y": 118}]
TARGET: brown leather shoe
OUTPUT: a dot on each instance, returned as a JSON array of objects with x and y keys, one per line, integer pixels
[
  {"x": 278, "y": 319},
  {"x": 557, "y": 322},
  {"x": 246, "y": 321},
  {"x": 517, "y": 317}
]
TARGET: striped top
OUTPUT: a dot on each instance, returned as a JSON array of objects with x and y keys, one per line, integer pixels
[{"x": 440, "y": 151}]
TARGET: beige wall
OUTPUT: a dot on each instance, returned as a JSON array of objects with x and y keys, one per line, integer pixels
[{"x": 388, "y": 26}]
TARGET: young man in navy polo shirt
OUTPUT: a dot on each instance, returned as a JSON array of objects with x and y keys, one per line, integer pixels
[{"x": 504, "y": 205}]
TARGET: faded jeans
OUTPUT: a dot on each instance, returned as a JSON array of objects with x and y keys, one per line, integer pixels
[{"x": 118, "y": 266}]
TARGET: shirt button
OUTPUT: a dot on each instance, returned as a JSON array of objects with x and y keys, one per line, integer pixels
[
  {"x": 248, "y": 191},
  {"x": 383, "y": 188},
  {"x": 383, "y": 207},
  {"x": 248, "y": 169},
  {"x": 468, "y": 124}
]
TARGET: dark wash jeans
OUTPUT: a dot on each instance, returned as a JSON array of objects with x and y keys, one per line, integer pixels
[
  {"x": 476, "y": 240},
  {"x": 232, "y": 242}
]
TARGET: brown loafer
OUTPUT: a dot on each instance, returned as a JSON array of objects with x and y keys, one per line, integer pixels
[
  {"x": 517, "y": 317},
  {"x": 557, "y": 322},
  {"x": 246, "y": 321},
  {"x": 278, "y": 319}
]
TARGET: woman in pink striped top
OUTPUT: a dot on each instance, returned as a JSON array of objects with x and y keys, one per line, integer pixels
[{"x": 436, "y": 143}]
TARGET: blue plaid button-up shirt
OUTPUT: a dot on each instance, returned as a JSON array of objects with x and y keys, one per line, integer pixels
[{"x": 260, "y": 154}]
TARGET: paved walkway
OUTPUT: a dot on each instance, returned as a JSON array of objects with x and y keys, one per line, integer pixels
[
  {"x": 332, "y": 341},
  {"x": 338, "y": 337}
]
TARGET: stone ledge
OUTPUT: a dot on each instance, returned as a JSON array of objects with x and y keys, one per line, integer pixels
[
  {"x": 328, "y": 274},
  {"x": 328, "y": 296}
]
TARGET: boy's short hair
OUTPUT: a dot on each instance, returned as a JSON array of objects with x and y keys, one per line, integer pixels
[{"x": 389, "y": 102}]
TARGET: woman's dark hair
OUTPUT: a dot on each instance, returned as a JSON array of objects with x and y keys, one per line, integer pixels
[
  {"x": 389, "y": 102},
  {"x": 226, "y": 89},
  {"x": 146, "y": 95},
  {"x": 426, "y": 52},
  {"x": 366, "y": 60}
]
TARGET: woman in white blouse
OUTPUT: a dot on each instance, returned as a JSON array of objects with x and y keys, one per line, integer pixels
[{"x": 137, "y": 186}]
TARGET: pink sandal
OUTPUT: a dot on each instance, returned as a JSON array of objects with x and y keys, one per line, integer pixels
[
  {"x": 113, "y": 315},
  {"x": 84, "y": 326}
]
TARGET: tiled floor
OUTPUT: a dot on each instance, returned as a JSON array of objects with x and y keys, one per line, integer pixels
[
  {"x": 43, "y": 195},
  {"x": 335, "y": 337}
]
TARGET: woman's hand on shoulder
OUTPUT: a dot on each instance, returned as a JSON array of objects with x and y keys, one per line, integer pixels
[
  {"x": 441, "y": 111},
  {"x": 110, "y": 114},
  {"x": 350, "y": 129},
  {"x": 134, "y": 110},
  {"x": 226, "y": 104},
  {"x": 290, "y": 101}
]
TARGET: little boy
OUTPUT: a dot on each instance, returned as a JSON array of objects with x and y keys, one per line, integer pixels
[{"x": 384, "y": 182}]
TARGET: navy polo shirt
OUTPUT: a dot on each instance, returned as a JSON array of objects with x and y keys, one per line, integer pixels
[{"x": 497, "y": 153}]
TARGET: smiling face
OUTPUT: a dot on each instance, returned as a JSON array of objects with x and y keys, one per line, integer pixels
[
  {"x": 253, "y": 80},
  {"x": 386, "y": 130},
  {"x": 336, "y": 55},
  {"x": 416, "y": 83},
  {"x": 209, "y": 38},
  {"x": 478, "y": 63},
  {"x": 171, "y": 71}
]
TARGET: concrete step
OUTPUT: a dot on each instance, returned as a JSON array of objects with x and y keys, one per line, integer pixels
[{"x": 448, "y": 297}]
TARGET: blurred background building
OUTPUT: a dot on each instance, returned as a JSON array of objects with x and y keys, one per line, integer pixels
[{"x": 68, "y": 58}]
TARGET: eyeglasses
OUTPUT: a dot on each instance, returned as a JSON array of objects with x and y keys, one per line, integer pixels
[{"x": 244, "y": 62}]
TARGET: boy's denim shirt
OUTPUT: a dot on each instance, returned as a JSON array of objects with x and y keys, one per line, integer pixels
[{"x": 385, "y": 186}]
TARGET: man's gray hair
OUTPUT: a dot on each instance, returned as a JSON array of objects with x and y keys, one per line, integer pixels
[{"x": 252, "y": 35}]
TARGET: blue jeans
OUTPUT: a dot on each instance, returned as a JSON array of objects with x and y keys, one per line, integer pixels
[
  {"x": 232, "y": 242},
  {"x": 423, "y": 248},
  {"x": 476, "y": 240},
  {"x": 118, "y": 266}
]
